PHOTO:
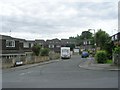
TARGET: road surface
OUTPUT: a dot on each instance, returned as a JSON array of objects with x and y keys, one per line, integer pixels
[{"x": 61, "y": 74}]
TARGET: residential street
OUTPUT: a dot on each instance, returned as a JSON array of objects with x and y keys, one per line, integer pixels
[{"x": 60, "y": 74}]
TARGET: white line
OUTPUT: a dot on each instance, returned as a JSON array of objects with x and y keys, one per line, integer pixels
[
  {"x": 22, "y": 74},
  {"x": 25, "y": 73}
]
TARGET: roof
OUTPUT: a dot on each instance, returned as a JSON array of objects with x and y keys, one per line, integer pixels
[{"x": 10, "y": 38}]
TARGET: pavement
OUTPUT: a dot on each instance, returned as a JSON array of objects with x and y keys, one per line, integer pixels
[{"x": 90, "y": 64}]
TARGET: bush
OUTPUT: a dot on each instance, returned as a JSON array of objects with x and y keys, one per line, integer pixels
[
  {"x": 116, "y": 56},
  {"x": 101, "y": 56},
  {"x": 45, "y": 52},
  {"x": 36, "y": 49},
  {"x": 117, "y": 50}
]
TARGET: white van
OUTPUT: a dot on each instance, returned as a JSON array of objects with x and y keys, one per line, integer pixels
[{"x": 65, "y": 52}]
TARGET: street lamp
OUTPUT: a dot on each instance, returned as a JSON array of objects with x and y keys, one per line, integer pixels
[{"x": 94, "y": 37}]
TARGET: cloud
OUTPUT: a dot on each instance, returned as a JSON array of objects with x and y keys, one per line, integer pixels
[{"x": 51, "y": 19}]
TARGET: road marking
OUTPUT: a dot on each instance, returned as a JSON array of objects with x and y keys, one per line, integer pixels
[
  {"x": 25, "y": 73},
  {"x": 22, "y": 74},
  {"x": 29, "y": 72}
]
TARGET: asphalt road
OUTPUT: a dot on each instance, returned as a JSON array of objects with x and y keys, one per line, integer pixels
[{"x": 62, "y": 74}]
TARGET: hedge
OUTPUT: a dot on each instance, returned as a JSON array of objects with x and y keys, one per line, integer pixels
[{"x": 101, "y": 56}]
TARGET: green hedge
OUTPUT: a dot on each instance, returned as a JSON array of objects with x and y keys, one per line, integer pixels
[
  {"x": 44, "y": 52},
  {"x": 101, "y": 56},
  {"x": 117, "y": 50}
]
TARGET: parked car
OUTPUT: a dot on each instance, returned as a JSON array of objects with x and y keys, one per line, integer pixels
[
  {"x": 18, "y": 61},
  {"x": 85, "y": 54}
]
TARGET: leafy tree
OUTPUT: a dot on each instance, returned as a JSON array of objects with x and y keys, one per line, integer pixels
[
  {"x": 117, "y": 50},
  {"x": 71, "y": 46},
  {"x": 86, "y": 34},
  {"x": 36, "y": 49},
  {"x": 109, "y": 49},
  {"x": 101, "y": 38}
]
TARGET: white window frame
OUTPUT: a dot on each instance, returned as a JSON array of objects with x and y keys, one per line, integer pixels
[{"x": 12, "y": 45}]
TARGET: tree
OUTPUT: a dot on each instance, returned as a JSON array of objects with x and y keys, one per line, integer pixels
[
  {"x": 109, "y": 49},
  {"x": 36, "y": 49},
  {"x": 101, "y": 38},
  {"x": 72, "y": 46},
  {"x": 86, "y": 34}
]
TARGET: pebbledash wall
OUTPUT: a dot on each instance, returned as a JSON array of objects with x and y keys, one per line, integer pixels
[
  {"x": 116, "y": 59},
  {"x": 29, "y": 59}
]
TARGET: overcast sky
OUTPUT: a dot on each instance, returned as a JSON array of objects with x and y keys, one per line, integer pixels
[{"x": 48, "y": 19}]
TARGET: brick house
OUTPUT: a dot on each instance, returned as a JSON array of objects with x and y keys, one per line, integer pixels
[
  {"x": 54, "y": 45},
  {"x": 12, "y": 47},
  {"x": 41, "y": 42}
]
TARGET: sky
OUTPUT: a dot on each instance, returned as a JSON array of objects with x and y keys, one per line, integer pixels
[{"x": 49, "y": 19}]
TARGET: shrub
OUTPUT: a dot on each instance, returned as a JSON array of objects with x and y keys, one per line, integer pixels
[
  {"x": 101, "y": 56},
  {"x": 116, "y": 55},
  {"x": 45, "y": 52},
  {"x": 117, "y": 50},
  {"x": 36, "y": 49}
]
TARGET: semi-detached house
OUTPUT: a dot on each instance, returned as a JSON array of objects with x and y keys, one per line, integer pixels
[{"x": 12, "y": 47}]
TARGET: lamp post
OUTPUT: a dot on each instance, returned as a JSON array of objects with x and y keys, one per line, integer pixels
[{"x": 94, "y": 37}]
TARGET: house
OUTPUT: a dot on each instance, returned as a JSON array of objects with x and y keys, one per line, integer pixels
[
  {"x": 15, "y": 46},
  {"x": 41, "y": 42},
  {"x": 54, "y": 45},
  {"x": 86, "y": 44},
  {"x": 116, "y": 39},
  {"x": 12, "y": 47},
  {"x": 65, "y": 42}
]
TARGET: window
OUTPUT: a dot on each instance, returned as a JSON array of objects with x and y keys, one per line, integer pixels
[
  {"x": 116, "y": 37},
  {"x": 52, "y": 46},
  {"x": 26, "y": 45},
  {"x": 10, "y": 43},
  {"x": 113, "y": 38},
  {"x": 58, "y": 46},
  {"x": 89, "y": 42},
  {"x": 40, "y": 43},
  {"x": 49, "y": 46},
  {"x": 32, "y": 44}
]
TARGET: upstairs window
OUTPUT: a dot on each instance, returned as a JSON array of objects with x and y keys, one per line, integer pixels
[
  {"x": 113, "y": 38},
  {"x": 26, "y": 45},
  {"x": 10, "y": 43},
  {"x": 32, "y": 44},
  {"x": 116, "y": 37}
]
